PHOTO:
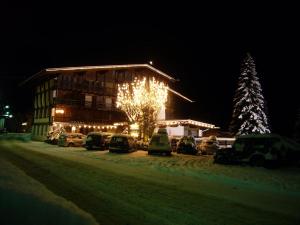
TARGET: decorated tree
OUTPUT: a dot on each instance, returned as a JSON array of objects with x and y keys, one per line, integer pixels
[
  {"x": 142, "y": 100},
  {"x": 249, "y": 114}
]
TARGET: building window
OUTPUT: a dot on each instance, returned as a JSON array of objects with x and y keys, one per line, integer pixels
[
  {"x": 37, "y": 129},
  {"x": 41, "y": 112},
  {"x": 100, "y": 102},
  {"x": 88, "y": 101},
  {"x": 109, "y": 84},
  {"x": 108, "y": 102},
  {"x": 100, "y": 77}
]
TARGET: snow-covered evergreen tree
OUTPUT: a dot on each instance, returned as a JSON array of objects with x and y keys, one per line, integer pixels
[{"x": 249, "y": 107}]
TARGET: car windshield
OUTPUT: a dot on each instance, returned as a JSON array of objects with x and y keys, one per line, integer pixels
[
  {"x": 155, "y": 139},
  {"x": 118, "y": 139}
]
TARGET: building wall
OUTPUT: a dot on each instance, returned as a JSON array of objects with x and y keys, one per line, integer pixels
[
  {"x": 43, "y": 102},
  {"x": 84, "y": 96}
]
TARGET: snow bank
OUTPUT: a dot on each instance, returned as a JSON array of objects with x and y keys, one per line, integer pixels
[{"x": 25, "y": 201}]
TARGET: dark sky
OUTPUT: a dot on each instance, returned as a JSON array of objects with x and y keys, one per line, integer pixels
[{"x": 203, "y": 46}]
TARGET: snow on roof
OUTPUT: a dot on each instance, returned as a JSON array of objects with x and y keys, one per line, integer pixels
[
  {"x": 79, "y": 68},
  {"x": 110, "y": 67},
  {"x": 186, "y": 122}
]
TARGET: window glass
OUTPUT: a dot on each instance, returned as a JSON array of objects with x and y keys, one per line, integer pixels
[
  {"x": 88, "y": 101},
  {"x": 108, "y": 102}
]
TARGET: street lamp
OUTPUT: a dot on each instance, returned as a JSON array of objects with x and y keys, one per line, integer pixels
[{"x": 4, "y": 113}]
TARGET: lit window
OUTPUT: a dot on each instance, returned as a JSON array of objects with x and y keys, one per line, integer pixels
[
  {"x": 88, "y": 101},
  {"x": 59, "y": 111},
  {"x": 108, "y": 102}
]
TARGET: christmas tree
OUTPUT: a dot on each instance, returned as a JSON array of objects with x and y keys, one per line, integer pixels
[{"x": 249, "y": 115}]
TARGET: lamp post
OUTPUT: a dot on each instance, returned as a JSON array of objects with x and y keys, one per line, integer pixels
[{"x": 4, "y": 114}]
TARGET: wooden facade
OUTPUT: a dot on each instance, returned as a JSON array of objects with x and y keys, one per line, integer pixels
[{"x": 84, "y": 96}]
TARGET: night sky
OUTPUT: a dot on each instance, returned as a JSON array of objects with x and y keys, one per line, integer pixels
[{"x": 203, "y": 46}]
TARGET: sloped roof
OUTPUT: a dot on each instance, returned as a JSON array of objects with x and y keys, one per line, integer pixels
[{"x": 105, "y": 67}]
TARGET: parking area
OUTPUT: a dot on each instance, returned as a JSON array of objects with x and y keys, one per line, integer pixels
[
  {"x": 137, "y": 188},
  {"x": 180, "y": 164}
]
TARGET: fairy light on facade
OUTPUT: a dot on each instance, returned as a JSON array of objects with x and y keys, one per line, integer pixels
[{"x": 73, "y": 129}]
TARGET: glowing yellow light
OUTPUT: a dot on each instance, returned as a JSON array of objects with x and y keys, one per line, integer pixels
[
  {"x": 90, "y": 126},
  {"x": 140, "y": 95},
  {"x": 73, "y": 129},
  {"x": 134, "y": 126},
  {"x": 134, "y": 134},
  {"x": 59, "y": 111}
]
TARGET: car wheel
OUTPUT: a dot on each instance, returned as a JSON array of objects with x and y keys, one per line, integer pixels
[
  {"x": 71, "y": 145},
  {"x": 257, "y": 160}
]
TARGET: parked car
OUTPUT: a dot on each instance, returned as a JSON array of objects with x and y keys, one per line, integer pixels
[
  {"x": 187, "y": 145},
  {"x": 142, "y": 145},
  {"x": 97, "y": 140},
  {"x": 3, "y": 131},
  {"x": 174, "y": 141},
  {"x": 159, "y": 143},
  {"x": 122, "y": 143},
  {"x": 209, "y": 146},
  {"x": 260, "y": 150},
  {"x": 71, "y": 139}
]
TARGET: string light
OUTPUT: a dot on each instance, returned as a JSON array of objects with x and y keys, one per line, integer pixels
[{"x": 133, "y": 98}]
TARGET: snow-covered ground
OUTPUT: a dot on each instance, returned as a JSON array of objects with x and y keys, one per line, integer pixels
[
  {"x": 136, "y": 188},
  {"x": 25, "y": 201}
]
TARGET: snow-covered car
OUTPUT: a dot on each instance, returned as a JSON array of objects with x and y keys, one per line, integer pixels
[
  {"x": 174, "y": 141},
  {"x": 142, "y": 145},
  {"x": 187, "y": 145},
  {"x": 97, "y": 140},
  {"x": 71, "y": 140},
  {"x": 209, "y": 146},
  {"x": 3, "y": 131},
  {"x": 260, "y": 150},
  {"x": 122, "y": 143},
  {"x": 159, "y": 143}
]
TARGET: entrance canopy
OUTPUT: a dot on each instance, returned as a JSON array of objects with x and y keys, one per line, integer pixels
[{"x": 185, "y": 122}]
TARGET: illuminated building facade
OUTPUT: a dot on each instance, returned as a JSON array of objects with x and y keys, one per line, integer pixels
[{"x": 83, "y": 99}]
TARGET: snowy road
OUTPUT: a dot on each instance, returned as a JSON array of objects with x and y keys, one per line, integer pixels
[{"x": 139, "y": 189}]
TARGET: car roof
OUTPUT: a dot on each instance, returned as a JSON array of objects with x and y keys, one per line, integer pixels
[
  {"x": 121, "y": 135},
  {"x": 99, "y": 133},
  {"x": 259, "y": 136},
  {"x": 72, "y": 134}
]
